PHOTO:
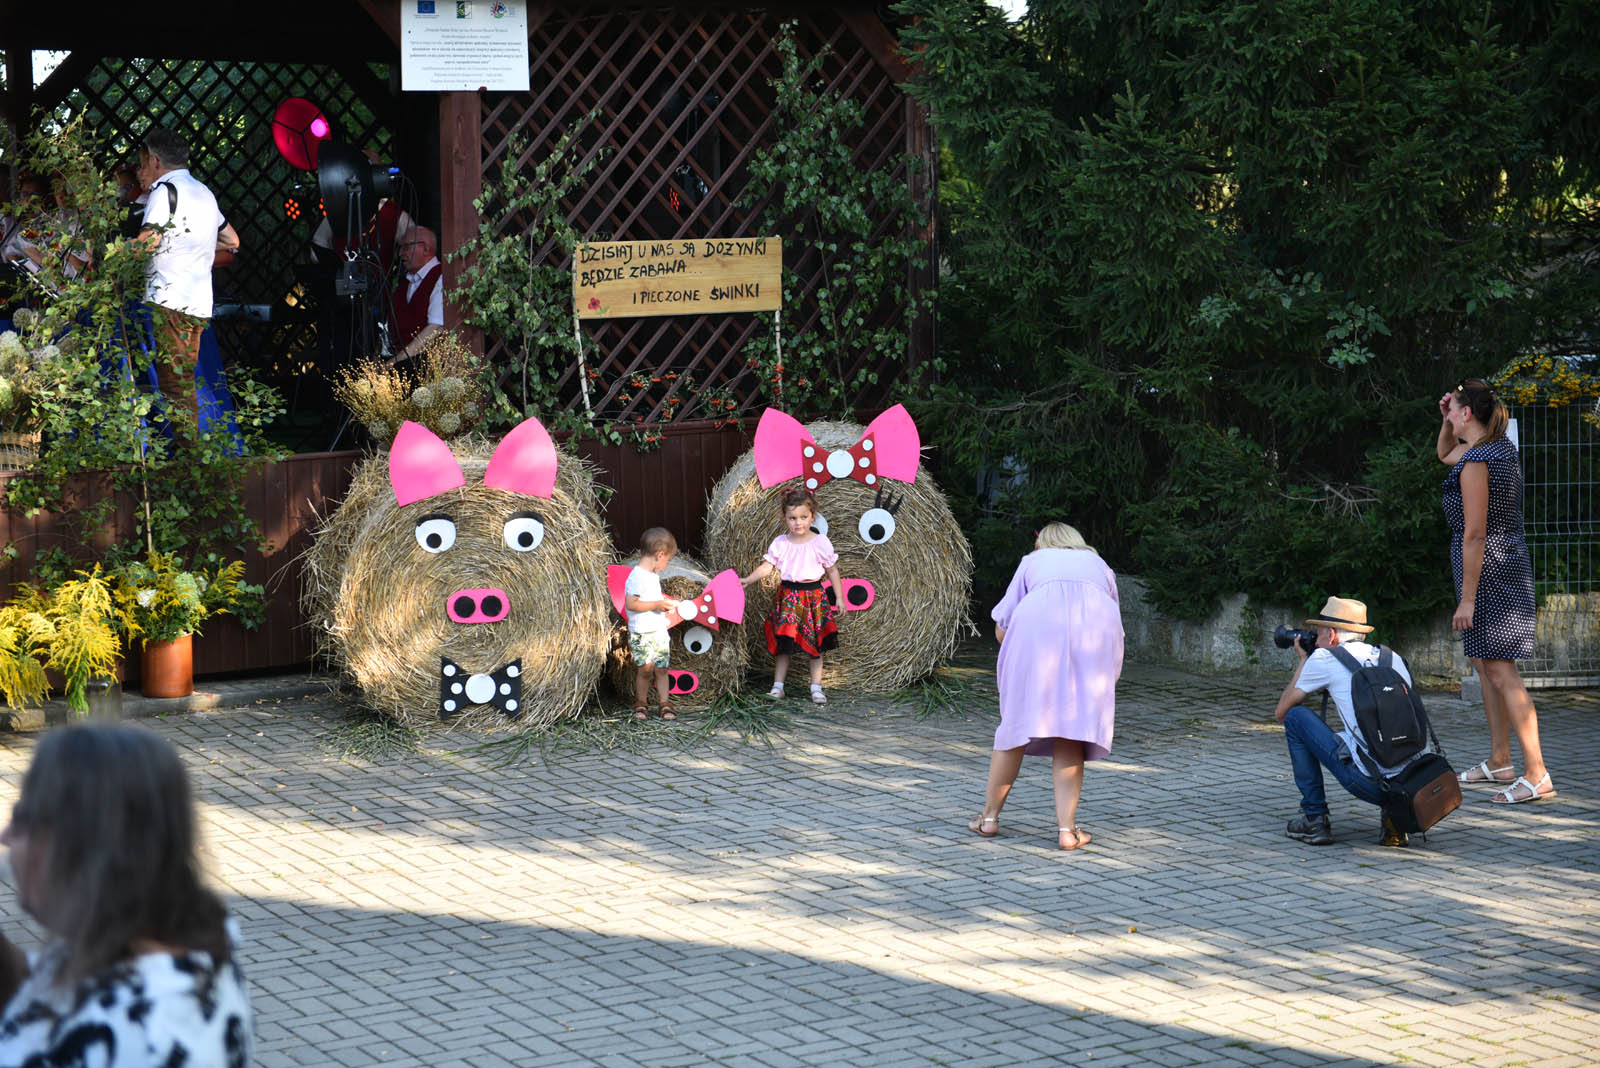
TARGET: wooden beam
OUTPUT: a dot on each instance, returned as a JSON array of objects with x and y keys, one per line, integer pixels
[
  {"x": 460, "y": 181},
  {"x": 386, "y": 13},
  {"x": 18, "y": 99},
  {"x": 878, "y": 41},
  {"x": 54, "y": 89}
]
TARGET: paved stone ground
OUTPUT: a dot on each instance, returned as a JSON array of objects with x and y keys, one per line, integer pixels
[{"x": 821, "y": 902}]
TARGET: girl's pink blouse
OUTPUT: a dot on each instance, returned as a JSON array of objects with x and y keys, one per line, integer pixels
[{"x": 801, "y": 562}]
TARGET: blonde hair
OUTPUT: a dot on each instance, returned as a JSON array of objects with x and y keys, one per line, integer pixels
[{"x": 1060, "y": 536}]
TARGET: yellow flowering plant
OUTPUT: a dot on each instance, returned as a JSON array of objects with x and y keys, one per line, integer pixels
[
  {"x": 160, "y": 600},
  {"x": 1549, "y": 381},
  {"x": 70, "y": 627}
]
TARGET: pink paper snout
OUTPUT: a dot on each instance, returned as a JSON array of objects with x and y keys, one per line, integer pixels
[
  {"x": 478, "y": 606},
  {"x": 858, "y": 595},
  {"x": 683, "y": 683}
]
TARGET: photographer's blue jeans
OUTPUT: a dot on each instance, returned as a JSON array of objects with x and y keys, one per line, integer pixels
[{"x": 1312, "y": 747}]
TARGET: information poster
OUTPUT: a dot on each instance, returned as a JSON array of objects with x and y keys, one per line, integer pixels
[
  {"x": 706, "y": 275},
  {"x": 452, "y": 45}
]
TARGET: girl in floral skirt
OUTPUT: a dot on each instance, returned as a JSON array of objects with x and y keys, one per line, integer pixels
[{"x": 803, "y": 620}]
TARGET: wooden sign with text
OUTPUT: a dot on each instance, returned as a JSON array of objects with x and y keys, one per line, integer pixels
[{"x": 699, "y": 276}]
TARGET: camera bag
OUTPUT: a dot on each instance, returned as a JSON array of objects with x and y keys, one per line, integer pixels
[{"x": 1421, "y": 794}]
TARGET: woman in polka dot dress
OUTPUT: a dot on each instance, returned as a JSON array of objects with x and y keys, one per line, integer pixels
[{"x": 1494, "y": 582}]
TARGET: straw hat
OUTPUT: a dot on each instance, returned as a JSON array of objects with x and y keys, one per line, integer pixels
[{"x": 1341, "y": 613}]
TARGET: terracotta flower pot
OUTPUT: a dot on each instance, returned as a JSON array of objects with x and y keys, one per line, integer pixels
[{"x": 168, "y": 668}]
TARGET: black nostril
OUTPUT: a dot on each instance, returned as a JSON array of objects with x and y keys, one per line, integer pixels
[
  {"x": 491, "y": 605},
  {"x": 465, "y": 607},
  {"x": 857, "y": 595}
]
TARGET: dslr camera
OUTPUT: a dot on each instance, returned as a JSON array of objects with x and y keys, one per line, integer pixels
[{"x": 1286, "y": 636}]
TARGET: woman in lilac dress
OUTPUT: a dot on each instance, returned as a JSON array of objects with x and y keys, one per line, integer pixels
[{"x": 1060, "y": 632}]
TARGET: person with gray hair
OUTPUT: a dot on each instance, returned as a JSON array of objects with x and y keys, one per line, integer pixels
[
  {"x": 1313, "y": 745},
  {"x": 139, "y": 969}
]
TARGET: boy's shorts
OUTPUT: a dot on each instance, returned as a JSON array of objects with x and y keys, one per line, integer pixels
[{"x": 651, "y": 649}]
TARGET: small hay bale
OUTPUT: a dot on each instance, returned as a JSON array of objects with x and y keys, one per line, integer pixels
[
  {"x": 378, "y": 601},
  {"x": 715, "y": 671},
  {"x": 922, "y": 575}
]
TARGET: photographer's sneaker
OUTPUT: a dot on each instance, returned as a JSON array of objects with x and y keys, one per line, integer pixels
[
  {"x": 1392, "y": 835},
  {"x": 1312, "y": 830}
]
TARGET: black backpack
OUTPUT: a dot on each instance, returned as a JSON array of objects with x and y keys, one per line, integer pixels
[{"x": 1388, "y": 711}]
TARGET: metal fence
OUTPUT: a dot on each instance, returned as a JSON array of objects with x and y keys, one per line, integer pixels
[{"x": 1560, "y": 466}]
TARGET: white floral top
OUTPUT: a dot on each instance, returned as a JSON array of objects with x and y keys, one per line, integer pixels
[{"x": 152, "y": 1011}]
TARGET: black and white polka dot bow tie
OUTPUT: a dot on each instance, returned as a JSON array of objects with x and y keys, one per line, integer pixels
[{"x": 459, "y": 688}]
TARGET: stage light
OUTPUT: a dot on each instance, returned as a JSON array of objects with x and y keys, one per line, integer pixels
[
  {"x": 349, "y": 182},
  {"x": 298, "y": 130},
  {"x": 292, "y": 209}
]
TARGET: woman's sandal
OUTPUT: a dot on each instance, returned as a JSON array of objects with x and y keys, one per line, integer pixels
[
  {"x": 667, "y": 712},
  {"x": 977, "y": 824},
  {"x": 1511, "y": 794},
  {"x": 1079, "y": 838},
  {"x": 1483, "y": 775}
]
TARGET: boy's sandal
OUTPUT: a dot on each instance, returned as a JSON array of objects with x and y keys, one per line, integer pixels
[
  {"x": 1483, "y": 775},
  {"x": 1522, "y": 791},
  {"x": 817, "y": 696},
  {"x": 641, "y": 712},
  {"x": 977, "y": 824},
  {"x": 1079, "y": 838},
  {"x": 668, "y": 712}
]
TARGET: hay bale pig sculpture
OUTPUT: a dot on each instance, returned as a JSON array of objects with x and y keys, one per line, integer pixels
[
  {"x": 905, "y": 564},
  {"x": 464, "y": 587},
  {"x": 709, "y": 648}
]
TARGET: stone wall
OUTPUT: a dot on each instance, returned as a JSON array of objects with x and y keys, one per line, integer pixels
[{"x": 1238, "y": 637}]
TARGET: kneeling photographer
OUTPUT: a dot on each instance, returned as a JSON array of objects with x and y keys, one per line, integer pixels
[{"x": 1340, "y": 628}]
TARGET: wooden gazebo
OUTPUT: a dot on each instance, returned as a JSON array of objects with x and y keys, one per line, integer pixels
[{"x": 684, "y": 91}]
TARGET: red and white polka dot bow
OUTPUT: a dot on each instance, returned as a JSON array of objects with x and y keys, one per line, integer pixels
[{"x": 889, "y": 448}]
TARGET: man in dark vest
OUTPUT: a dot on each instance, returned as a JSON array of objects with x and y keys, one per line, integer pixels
[{"x": 419, "y": 297}]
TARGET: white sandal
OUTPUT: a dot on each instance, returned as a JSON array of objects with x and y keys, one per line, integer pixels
[
  {"x": 817, "y": 696},
  {"x": 1507, "y": 794},
  {"x": 1487, "y": 776}
]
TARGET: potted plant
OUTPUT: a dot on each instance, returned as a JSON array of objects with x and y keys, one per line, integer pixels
[
  {"x": 70, "y": 628},
  {"x": 164, "y": 604}
]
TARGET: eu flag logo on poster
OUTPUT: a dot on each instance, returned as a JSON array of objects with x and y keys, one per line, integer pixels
[{"x": 425, "y": 7}]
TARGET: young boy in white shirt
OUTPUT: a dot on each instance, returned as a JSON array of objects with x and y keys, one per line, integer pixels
[{"x": 647, "y": 621}]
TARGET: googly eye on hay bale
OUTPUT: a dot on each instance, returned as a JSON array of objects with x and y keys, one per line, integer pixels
[
  {"x": 709, "y": 649},
  {"x": 905, "y": 563},
  {"x": 462, "y": 585}
]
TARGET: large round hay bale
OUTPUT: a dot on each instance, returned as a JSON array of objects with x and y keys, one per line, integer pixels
[
  {"x": 921, "y": 576},
  {"x": 381, "y": 604},
  {"x": 706, "y": 663}
]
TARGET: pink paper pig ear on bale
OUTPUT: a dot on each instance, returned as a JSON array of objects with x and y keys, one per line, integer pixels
[
  {"x": 898, "y": 446},
  {"x": 617, "y": 584},
  {"x": 524, "y": 462},
  {"x": 421, "y": 465},
  {"x": 779, "y": 439},
  {"x": 727, "y": 596}
]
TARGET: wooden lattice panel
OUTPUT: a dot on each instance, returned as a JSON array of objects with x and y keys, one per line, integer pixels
[{"x": 684, "y": 97}]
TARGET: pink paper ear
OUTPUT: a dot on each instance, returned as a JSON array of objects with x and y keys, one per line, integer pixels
[
  {"x": 617, "y": 582},
  {"x": 421, "y": 465},
  {"x": 727, "y": 596},
  {"x": 896, "y": 443},
  {"x": 524, "y": 462},
  {"x": 779, "y": 438}
]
